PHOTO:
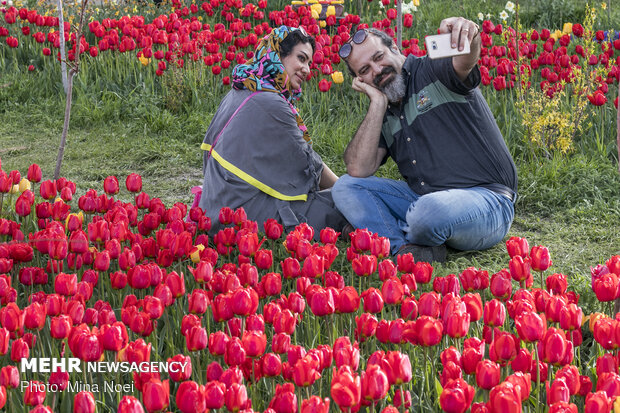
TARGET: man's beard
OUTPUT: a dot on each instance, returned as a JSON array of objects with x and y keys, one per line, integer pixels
[{"x": 395, "y": 88}]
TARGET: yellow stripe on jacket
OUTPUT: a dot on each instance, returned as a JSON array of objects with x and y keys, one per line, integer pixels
[{"x": 250, "y": 179}]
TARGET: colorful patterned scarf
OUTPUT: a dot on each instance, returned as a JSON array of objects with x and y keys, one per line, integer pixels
[{"x": 265, "y": 72}]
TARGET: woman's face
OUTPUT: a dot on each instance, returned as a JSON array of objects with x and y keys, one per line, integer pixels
[{"x": 297, "y": 64}]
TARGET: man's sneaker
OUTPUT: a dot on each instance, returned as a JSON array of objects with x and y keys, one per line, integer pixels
[
  {"x": 344, "y": 234},
  {"x": 423, "y": 253}
]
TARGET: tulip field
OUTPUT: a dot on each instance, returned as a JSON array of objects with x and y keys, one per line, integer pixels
[{"x": 117, "y": 297}]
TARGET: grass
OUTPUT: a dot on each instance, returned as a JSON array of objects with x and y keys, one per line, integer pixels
[{"x": 569, "y": 204}]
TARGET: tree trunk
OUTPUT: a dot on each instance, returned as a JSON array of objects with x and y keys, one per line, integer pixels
[
  {"x": 399, "y": 24},
  {"x": 65, "y": 128},
  {"x": 63, "y": 61}
]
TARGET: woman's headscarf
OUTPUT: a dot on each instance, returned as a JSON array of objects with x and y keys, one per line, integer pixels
[{"x": 265, "y": 72}]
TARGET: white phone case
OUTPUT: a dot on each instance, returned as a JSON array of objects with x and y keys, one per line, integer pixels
[{"x": 439, "y": 46}]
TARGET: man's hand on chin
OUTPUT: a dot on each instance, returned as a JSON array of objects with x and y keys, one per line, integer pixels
[{"x": 375, "y": 95}]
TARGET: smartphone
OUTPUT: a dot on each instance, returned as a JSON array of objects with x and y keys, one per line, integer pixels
[{"x": 439, "y": 46}]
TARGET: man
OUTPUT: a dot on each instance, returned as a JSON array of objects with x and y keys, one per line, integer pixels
[{"x": 430, "y": 117}]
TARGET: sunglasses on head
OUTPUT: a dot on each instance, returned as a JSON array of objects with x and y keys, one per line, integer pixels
[
  {"x": 301, "y": 29},
  {"x": 358, "y": 37}
]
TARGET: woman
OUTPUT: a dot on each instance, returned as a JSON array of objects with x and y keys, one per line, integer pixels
[{"x": 258, "y": 153}]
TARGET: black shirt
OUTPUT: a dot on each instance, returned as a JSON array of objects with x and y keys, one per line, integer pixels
[{"x": 442, "y": 135}]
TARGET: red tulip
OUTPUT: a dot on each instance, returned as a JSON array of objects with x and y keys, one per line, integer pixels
[
  {"x": 597, "y": 402},
  {"x": 530, "y": 326},
  {"x": 606, "y": 287},
  {"x": 84, "y": 402},
  {"x": 130, "y": 404},
  {"x": 598, "y": 98},
  {"x": 373, "y": 301},
  {"x": 196, "y": 338},
  {"x": 321, "y": 302},
  {"x": 47, "y": 190},
  {"x": 272, "y": 283},
  {"x": 554, "y": 348},
  {"x": 494, "y": 313},
  {"x": 346, "y": 354},
  {"x": 235, "y": 353},
  {"x": 34, "y": 394},
  {"x": 557, "y": 283},
  {"x": 19, "y": 350},
  {"x": 540, "y": 258},
  {"x": 156, "y": 395},
  {"x": 263, "y": 259},
  {"x": 184, "y": 371},
  {"x": 315, "y": 405},
  {"x": 273, "y": 229},
  {"x": 214, "y": 394},
  {"x": 345, "y": 388},
  {"x": 284, "y": 400},
  {"x": 517, "y": 246},
  {"x": 271, "y": 365},
  {"x": 236, "y": 397},
  {"x": 488, "y": 374},
  {"x": 133, "y": 183},
  {"x": 190, "y": 397},
  {"x": 254, "y": 343},
  {"x": 501, "y": 285},
  {"x": 34, "y": 173},
  {"x": 305, "y": 371},
  {"x": 456, "y": 396},
  {"x": 110, "y": 185},
  {"x": 503, "y": 348},
  {"x": 9, "y": 377},
  {"x": 348, "y": 300},
  {"x": 505, "y": 397},
  {"x": 571, "y": 317},
  {"x": 375, "y": 384}
]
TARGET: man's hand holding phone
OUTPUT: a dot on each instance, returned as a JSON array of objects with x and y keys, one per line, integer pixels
[{"x": 440, "y": 45}]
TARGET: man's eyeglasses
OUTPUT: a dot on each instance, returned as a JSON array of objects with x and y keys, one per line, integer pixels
[{"x": 358, "y": 37}]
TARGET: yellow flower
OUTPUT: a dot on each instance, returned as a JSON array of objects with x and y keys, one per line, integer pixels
[
  {"x": 337, "y": 77},
  {"x": 195, "y": 253},
  {"x": 24, "y": 185},
  {"x": 416, "y": 3},
  {"x": 322, "y": 23},
  {"x": 568, "y": 28},
  {"x": 617, "y": 405},
  {"x": 14, "y": 189},
  {"x": 145, "y": 61},
  {"x": 604, "y": 6},
  {"x": 315, "y": 15},
  {"x": 316, "y": 7},
  {"x": 593, "y": 318},
  {"x": 331, "y": 11}
]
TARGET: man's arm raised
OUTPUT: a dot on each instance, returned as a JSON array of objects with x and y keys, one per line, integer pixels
[
  {"x": 461, "y": 29},
  {"x": 363, "y": 155}
]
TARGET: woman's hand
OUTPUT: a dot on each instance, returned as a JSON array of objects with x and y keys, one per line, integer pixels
[{"x": 328, "y": 178}]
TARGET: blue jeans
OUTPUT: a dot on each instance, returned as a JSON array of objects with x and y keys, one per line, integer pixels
[{"x": 464, "y": 219}]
